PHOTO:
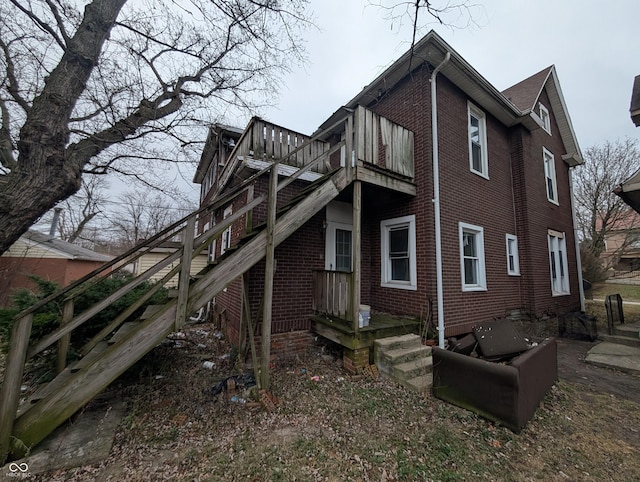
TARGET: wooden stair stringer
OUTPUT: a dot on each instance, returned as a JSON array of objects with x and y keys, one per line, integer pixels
[
  {"x": 74, "y": 390},
  {"x": 37, "y": 421},
  {"x": 250, "y": 253}
]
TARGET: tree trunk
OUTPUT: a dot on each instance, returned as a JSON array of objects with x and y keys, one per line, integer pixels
[{"x": 46, "y": 173}]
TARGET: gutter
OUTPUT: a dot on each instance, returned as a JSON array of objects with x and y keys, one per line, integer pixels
[
  {"x": 436, "y": 199},
  {"x": 576, "y": 240}
]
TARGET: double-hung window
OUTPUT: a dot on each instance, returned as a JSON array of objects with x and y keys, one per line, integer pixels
[
  {"x": 478, "y": 161},
  {"x": 398, "y": 242},
  {"x": 550, "y": 176},
  {"x": 513, "y": 263},
  {"x": 226, "y": 234},
  {"x": 472, "y": 263},
  {"x": 545, "y": 118},
  {"x": 558, "y": 263}
]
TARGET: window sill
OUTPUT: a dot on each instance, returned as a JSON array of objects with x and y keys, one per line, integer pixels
[
  {"x": 564, "y": 293},
  {"x": 479, "y": 173},
  {"x": 467, "y": 289},
  {"x": 400, "y": 286}
]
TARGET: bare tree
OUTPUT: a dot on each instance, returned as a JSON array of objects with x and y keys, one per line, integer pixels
[
  {"x": 140, "y": 214},
  {"x": 599, "y": 211},
  {"x": 81, "y": 210},
  {"x": 107, "y": 86}
]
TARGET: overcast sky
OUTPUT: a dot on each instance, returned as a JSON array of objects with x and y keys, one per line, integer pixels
[{"x": 594, "y": 45}]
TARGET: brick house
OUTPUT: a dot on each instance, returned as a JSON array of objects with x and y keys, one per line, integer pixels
[
  {"x": 46, "y": 257},
  {"x": 459, "y": 224}
]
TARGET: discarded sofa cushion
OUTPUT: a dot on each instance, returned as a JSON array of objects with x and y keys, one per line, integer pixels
[
  {"x": 499, "y": 340},
  {"x": 464, "y": 345}
]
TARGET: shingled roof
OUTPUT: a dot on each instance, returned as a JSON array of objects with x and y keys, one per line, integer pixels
[{"x": 524, "y": 94}]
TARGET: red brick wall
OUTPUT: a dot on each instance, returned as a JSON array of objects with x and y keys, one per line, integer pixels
[
  {"x": 512, "y": 201},
  {"x": 14, "y": 273},
  {"x": 505, "y": 203}
]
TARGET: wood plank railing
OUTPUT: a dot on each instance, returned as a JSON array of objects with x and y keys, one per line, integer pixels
[
  {"x": 383, "y": 143},
  {"x": 191, "y": 296},
  {"x": 332, "y": 293}
]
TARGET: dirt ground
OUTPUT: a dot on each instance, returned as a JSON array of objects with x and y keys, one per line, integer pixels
[
  {"x": 572, "y": 367},
  {"x": 332, "y": 427}
]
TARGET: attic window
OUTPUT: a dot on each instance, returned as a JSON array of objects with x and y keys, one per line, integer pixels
[{"x": 545, "y": 118}]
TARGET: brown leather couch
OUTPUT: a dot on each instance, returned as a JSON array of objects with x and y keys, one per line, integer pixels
[{"x": 507, "y": 392}]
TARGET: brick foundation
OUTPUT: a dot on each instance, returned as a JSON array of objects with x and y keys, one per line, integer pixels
[{"x": 355, "y": 359}]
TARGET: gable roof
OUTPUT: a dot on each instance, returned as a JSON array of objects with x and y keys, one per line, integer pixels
[
  {"x": 432, "y": 49},
  {"x": 212, "y": 145},
  {"x": 525, "y": 93},
  {"x": 525, "y": 96},
  {"x": 64, "y": 249}
]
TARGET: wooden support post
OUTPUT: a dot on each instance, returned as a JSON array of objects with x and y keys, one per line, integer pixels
[
  {"x": 10, "y": 394},
  {"x": 348, "y": 147},
  {"x": 185, "y": 272},
  {"x": 245, "y": 313},
  {"x": 65, "y": 341},
  {"x": 250, "y": 330},
  {"x": 249, "y": 218},
  {"x": 356, "y": 243},
  {"x": 269, "y": 271}
]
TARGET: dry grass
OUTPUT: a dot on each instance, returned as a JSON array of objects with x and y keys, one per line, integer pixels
[{"x": 342, "y": 428}]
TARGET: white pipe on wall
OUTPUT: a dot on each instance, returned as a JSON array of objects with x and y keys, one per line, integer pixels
[{"x": 436, "y": 199}]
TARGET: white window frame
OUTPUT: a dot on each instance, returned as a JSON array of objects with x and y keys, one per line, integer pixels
[
  {"x": 385, "y": 262},
  {"x": 545, "y": 118},
  {"x": 558, "y": 263},
  {"x": 512, "y": 253},
  {"x": 225, "y": 242},
  {"x": 550, "y": 175},
  {"x": 330, "y": 244},
  {"x": 481, "y": 274},
  {"x": 472, "y": 110}
]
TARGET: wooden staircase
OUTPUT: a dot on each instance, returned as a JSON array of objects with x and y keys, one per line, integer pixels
[{"x": 107, "y": 356}]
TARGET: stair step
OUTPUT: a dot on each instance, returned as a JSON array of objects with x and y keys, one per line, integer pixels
[
  {"x": 402, "y": 355},
  {"x": 630, "y": 331},
  {"x": 423, "y": 383},
  {"x": 123, "y": 331},
  {"x": 621, "y": 340},
  {"x": 62, "y": 378},
  {"x": 412, "y": 369},
  {"x": 149, "y": 311},
  {"x": 397, "y": 342}
]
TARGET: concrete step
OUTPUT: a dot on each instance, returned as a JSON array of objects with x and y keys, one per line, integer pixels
[
  {"x": 402, "y": 355},
  {"x": 405, "y": 371},
  {"x": 397, "y": 342},
  {"x": 386, "y": 360},
  {"x": 423, "y": 383},
  {"x": 615, "y": 355},
  {"x": 622, "y": 340},
  {"x": 630, "y": 331}
]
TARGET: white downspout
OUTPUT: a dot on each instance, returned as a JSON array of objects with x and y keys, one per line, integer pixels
[
  {"x": 436, "y": 199},
  {"x": 577, "y": 241}
]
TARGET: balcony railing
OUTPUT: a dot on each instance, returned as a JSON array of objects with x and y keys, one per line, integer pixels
[
  {"x": 332, "y": 294},
  {"x": 383, "y": 143}
]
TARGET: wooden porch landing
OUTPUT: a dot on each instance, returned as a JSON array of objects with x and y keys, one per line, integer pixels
[{"x": 380, "y": 326}]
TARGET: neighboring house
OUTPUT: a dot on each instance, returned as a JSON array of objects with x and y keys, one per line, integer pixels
[
  {"x": 635, "y": 101},
  {"x": 622, "y": 243},
  {"x": 154, "y": 255},
  {"x": 46, "y": 257},
  {"x": 629, "y": 190},
  {"x": 474, "y": 218}
]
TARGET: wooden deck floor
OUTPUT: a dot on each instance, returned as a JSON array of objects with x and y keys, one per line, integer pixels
[{"x": 380, "y": 326}]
